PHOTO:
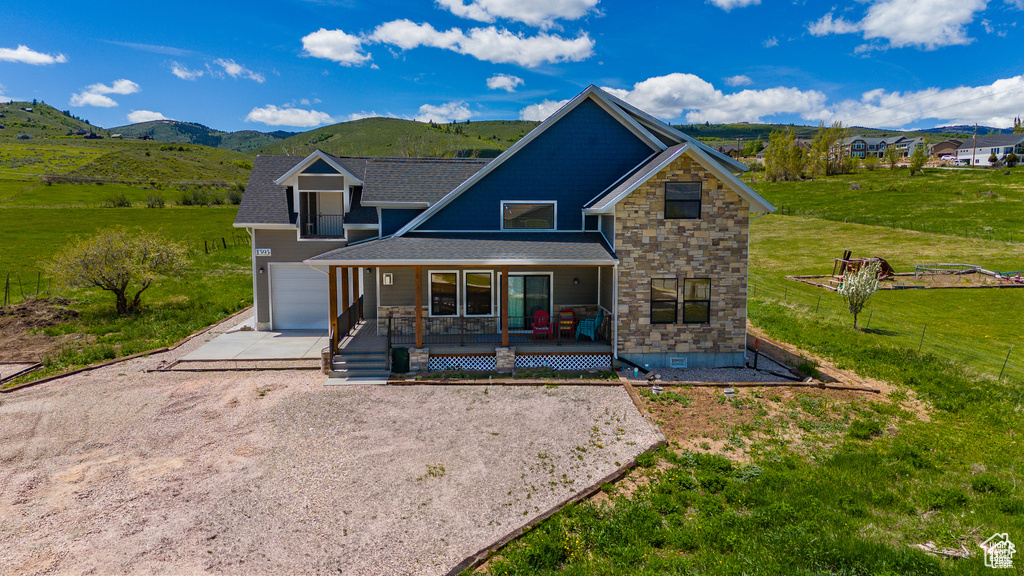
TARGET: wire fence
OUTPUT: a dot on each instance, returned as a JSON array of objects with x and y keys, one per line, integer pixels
[
  {"x": 20, "y": 285},
  {"x": 905, "y": 325},
  {"x": 947, "y": 229}
]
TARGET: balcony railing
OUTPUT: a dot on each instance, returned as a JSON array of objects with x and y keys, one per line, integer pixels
[
  {"x": 325, "y": 226},
  {"x": 486, "y": 330}
]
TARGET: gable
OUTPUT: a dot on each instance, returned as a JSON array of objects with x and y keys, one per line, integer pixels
[
  {"x": 320, "y": 167},
  {"x": 571, "y": 162}
]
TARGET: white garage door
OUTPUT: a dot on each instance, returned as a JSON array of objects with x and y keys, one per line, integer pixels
[{"x": 299, "y": 297}]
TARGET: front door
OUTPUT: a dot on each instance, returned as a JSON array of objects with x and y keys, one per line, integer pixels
[{"x": 527, "y": 293}]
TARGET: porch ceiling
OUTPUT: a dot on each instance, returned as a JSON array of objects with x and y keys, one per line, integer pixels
[{"x": 476, "y": 249}]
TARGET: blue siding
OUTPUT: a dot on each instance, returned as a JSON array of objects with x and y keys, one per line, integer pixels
[
  {"x": 573, "y": 161},
  {"x": 392, "y": 220}
]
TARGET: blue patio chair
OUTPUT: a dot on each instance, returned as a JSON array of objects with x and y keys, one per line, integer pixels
[{"x": 590, "y": 326}]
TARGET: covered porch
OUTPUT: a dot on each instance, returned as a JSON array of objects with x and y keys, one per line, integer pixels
[{"x": 512, "y": 294}]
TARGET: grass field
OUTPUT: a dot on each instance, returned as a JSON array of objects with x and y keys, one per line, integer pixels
[{"x": 973, "y": 203}]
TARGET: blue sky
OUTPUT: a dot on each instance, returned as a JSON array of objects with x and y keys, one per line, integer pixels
[{"x": 298, "y": 64}]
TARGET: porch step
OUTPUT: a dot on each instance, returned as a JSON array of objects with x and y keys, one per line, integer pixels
[{"x": 360, "y": 366}]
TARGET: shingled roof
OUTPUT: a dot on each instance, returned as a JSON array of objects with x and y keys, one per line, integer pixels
[
  {"x": 411, "y": 180},
  {"x": 265, "y": 202},
  {"x": 485, "y": 248}
]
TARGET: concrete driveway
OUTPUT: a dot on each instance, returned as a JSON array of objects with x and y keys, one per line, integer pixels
[
  {"x": 251, "y": 345},
  {"x": 270, "y": 472}
]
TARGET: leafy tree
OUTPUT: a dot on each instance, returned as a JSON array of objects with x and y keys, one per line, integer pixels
[
  {"x": 829, "y": 153},
  {"x": 858, "y": 287},
  {"x": 119, "y": 260},
  {"x": 1011, "y": 159},
  {"x": 892, "y": 156},
  {"x": 993, "y": 159},
  {"x": 870, "y": 162},
  {"x": 783, "y": 159},
  {"x": 917, "y": 160}
]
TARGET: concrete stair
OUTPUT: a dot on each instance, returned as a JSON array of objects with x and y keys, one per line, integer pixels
[{"x": 359, "y": 367}]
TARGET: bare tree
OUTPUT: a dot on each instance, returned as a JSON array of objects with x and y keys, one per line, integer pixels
[{"x": 119, "y": 260}]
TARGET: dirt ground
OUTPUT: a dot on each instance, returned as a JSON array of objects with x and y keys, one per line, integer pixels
[
  {"x": 903, "y": 281},
  {"x": 122, "y": 471},
  {"x": 17, "y": 343}
]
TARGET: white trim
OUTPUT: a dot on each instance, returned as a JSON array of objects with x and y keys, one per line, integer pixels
[
  {"x": 305, "y": 163},
  {"x": 465, "y": 288},
  {"x": 629, "y": 189},
  {"x": 463, "y": 262},
  {"x": 430, "y": 294},
  {"x": 265, "y": 226},
  {"x": 360, "y": 226},
  {"x": 615, "y": 311},
  {"x": 501, "y": 216}
]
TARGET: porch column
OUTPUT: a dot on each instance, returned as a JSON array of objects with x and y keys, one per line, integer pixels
[
  {"x": 357, "y": 279},
  {"x": 332, "y": 291},
  {"x": 344, "y": 299},
  {"x": 504, "y": 306},
  {"x": 418, "y": 287}
]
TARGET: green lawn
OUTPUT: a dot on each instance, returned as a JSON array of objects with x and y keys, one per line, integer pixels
[{"x": 963, "y": 202}]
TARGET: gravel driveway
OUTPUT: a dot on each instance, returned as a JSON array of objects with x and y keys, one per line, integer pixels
[{"x": 120, "y": 471}]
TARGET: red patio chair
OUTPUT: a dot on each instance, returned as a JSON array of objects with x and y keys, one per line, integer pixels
[{"x": 541, "y": 326}]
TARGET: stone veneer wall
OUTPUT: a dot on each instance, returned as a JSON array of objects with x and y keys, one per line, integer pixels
[{"x": 715, "y": 246}]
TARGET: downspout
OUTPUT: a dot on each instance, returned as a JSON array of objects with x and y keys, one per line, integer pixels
[
  {"x": 255, "y": 299},
  {"x": 615, "y": 313}
]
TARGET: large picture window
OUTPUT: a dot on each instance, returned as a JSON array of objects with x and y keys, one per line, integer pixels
[
  {"x": 444, "y": 293},
  {"x": 528, "y": 215},
  {"x": 682, "y": 200},
  {"x": 664, "y": 300},
  {"x": 696, "y": 301},
  {"x": 478, "y": 293}
]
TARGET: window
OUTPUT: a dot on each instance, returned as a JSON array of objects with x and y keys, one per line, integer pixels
[
  {"x": 664, "y": 300},
  {"x": 528, "y": 215},
  {"x": 444, "y": 293},
  {"x": 696, "y": 301},
  {"x": 682, "y": 200},
  {"x": 478, "y": 293}
]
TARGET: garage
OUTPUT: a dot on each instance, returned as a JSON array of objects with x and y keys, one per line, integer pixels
[{"x": 298, "y": 297}]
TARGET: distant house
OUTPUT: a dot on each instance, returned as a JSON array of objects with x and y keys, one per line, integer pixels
[
  {"x": 906, "y": 145},
  {"x": 27, "y": 109},
  {"x": 145, "y": 137},
  {"x": 117, "y": 136},
  {"x": 945, "y": 148},
  {"x": 93, "y": 136},
  {"x": 976, "y": 151},
  {"x": 731, "y": 150},
  {"x": 802, "y": 143}
]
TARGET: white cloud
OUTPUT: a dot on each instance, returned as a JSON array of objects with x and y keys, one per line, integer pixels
[
  {"x": 337, "y": 46},
  {"x": 771, "y": 42},
  {"x": 95, "y": 95},
  {"x": 25, "y": 55},
  {"x": 488, "y": 44},
  {"x": 184, "y": 73},
  {"x": 739, "y": 80},
  {"x": 136, "y": 116},
  {"x": 448, "y": 112},
  {"x": 926, "y": 24},
  {"x": 504, "y": 82},
  {"x": 92, "y": 99},
  {"x": 728, "y": 5},
  {"x": 236, "y": 70},
  {"x": 274, "y": 116},
  {"x": 371, "y": 114},
  {"x": 540, "y": 112},
  {"x": 540, "y": 13}
]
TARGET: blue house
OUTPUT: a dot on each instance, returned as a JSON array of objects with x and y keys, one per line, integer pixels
[{"x": 604, "y": 233}]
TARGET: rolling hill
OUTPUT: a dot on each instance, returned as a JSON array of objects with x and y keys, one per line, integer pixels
[
  {"x": 396, "y": 137},
  {"x": 729, "y": 133},
  {"x": 173, "y": 131},
  {"x": 44, "y": 121}
]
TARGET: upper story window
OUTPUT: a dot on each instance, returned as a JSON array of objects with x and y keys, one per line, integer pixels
[
  {"x": 682, "y": 200},
  {"x": 528, "y": 215}
]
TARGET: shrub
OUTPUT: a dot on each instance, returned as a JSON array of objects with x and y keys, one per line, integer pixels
[
  {"x": 756, "y": 166},
  {"x": 870, "y": 163},
  {"x": 944, "y": 498},
  {"x": 155, "y": 201},
  {"x": 235, "y": 197},
  {"x": 865, "y": 429},
  {"x": 988, "y": 483},
  {"x": 118, "y": 200},
  {"x": 1012, "y": 159}
]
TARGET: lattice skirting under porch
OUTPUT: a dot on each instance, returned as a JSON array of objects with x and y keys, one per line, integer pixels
[
  {"x": 439, "y": 363},
  {"x": 563, "y": 361}
]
